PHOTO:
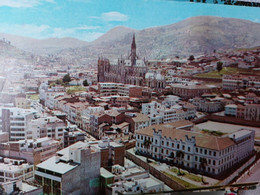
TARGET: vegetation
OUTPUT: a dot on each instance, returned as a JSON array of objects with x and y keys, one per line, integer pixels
[
  {"x": 180, "y": 181},
  {"x": 191, "y": 58},
  {"x": 85, "y": 83},
  {"x": 66, "y": 78},
  {"x": 33, "y": 97},
  {"x": 218, "y": 74},
  {"x": 216, "y": 133},
  {"x": 203, "y": 165},
  {"x": 187, "y": 175},
  {"x": 219, "y": 66},
  {"x": 179, "y": 157},
  {"x": 75, "y": 89}
]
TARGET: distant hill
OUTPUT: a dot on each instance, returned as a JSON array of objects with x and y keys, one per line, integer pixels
[
  {"x": 193, "y": 36},
  {"x": 43, "y": 46}
]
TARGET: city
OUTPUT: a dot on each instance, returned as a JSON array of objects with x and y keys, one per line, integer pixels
[{"x": 110, "y": 117}]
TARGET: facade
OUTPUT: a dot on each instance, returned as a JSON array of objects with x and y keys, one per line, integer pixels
[
  {"x": 12, "y": 170},
  {"x": 191, "y": 90},
  {"x": 231, "y": 82},
  {"x": 159, "y": 113},
  {"x": 15, "y": 121},
  {"x": 33, "y": 151},
  {"x": 111, "y": 152},
  {"x": 248, "y": 112},
  {"x": 127, "y": 71},
  {"x": 205, "y": 105},
  {"x": 113, "y": 89},
  {"x": 79, "y": 161},
  {"x": 220, "y": 153}
]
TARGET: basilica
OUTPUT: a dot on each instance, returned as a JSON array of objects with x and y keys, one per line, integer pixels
[{"x": 132, "y": 70}]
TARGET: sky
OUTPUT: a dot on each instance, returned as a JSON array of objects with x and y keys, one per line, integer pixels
[{"x": 89, "y": 19}]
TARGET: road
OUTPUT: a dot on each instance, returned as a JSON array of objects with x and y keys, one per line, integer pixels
[{"x": 253, "y": 175}]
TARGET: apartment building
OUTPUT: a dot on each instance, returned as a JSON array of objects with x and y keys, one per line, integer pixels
[
  {"x": 112, "y": 89},
  {"x": 79, "y": 161},
  {"x": 231, "y": 82},
  {"x": 13, "y": 169},
  {"x": 247, "y": 112},
  {"x": 15, "y": 121},
  {"x": 159, "y": 113},
  {"x": 33, "y": 151},
  {"x": 221, "y": 153}
]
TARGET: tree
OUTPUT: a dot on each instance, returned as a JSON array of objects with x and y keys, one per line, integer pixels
[
  {"x": 85, "y": 83},
  {"x": 66, "y": 78},
  {"x": 191, "y": 58},
  {"x": 203, "y": 165},
  {"x": 147, "y": 144},
  {"x": 219, "y": 66},
  {"x": 179, "y": 156}
]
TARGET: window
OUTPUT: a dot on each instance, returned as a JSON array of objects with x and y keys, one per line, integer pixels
[
  {"x": 205, "y": 151},
  {"x": 210, "y": 153},
  {"x": 156, "y": 141},
  {"x": 183, "y": 147},
  {"x": 167, "y": 143},
  {"x": 214, "y": 162},
  {"x": 200, "y": 150},
  {"x": 162, "y": 142},
  {"x": 155, "y": 149},
  {"x": 162, "y": 151},
  {"x": 214, "y": 153},
  {"x": 188, "y": 157},
  {"x": 173, "y": 145},
  {"x": 197, "y": 149},
  {"x": 188, "y": 149},
  {"x": 196, "y": 158},
  {"x": 178, "y": 146}
]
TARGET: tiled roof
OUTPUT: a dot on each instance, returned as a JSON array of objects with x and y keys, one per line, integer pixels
[{"x": 202, "y": 140}]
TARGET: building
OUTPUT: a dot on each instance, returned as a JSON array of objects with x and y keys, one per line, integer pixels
[
  {"x": 127, "y": 71},
  {"x": 112, "y": 153},
  {"x": 79, "y": 161},
  {"x": 231, "y": 82},
  {"x": 191, "y": 89},
  {"x": 15, "y": 121},
  {"x": 169, "y": 143},
  {"x": 247, "y": 112},
  {"x": 33, "y": 151},
  {"x": 133, "y": 180},
  {"x": 13, "y": 169}
]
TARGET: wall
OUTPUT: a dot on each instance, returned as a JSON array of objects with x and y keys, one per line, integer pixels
[{"x": 159, "y": 175}]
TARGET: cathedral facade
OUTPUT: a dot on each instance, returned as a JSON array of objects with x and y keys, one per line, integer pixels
[{"x": 131, "y": 71}]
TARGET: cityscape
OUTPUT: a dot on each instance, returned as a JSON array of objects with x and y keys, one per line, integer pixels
[{"x": 169, "y": 108}]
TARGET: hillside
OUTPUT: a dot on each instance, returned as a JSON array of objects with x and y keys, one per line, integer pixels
[{"x": 193, "y": 36}]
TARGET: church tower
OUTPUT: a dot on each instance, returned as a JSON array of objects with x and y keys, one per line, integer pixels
[{"x": 133, "y": 52}]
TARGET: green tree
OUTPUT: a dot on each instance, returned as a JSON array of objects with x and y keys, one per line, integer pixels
[
  {"x": 203, "y": 165},
  {"x": 219, "y": 66},
  {"x": 147, "y": 144},
  {"x": 179, "y": 157},
  {"x": 66, "y": 78},
  {"x": 85, "y": 83},
  {"x": 191, "y": 58}
]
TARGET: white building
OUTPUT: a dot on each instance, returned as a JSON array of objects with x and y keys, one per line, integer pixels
[
  {"x": 11, "y": 170},
  {"x": 220, "y": 153},
  {"x": 15, "y": 121}
]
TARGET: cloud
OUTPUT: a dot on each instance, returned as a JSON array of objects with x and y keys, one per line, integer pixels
[
  {"x": 111, "y": 17},
  {"x": 84, "y": 32},
  {"x": 114, "y": 16},
  {"x": 23, "y": 3}
]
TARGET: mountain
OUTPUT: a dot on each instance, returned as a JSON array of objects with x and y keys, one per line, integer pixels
[
  {"x": 114, "y": 34},
  {"x": 193, "y": 36},
  {"x": 44, "y": 46}
]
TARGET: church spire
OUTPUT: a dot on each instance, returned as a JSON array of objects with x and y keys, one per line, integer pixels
[{"x": 133, "y": 52}]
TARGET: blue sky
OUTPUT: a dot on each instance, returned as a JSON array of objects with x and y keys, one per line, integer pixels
[{"x": 89, "y": 19}]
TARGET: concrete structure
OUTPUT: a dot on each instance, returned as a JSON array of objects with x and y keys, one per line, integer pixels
[
  {"x": 15, "y": 121},
  {"x": 231, "y": 82},
  {"x": 13, "y": 169},
  {"x": 33, "y": 151},
  {"x": 170, "y": 143},
  {"x": 159, "y": 113},
  {"x": 75, "y": 170},
  {"x": 133, "y": 180},
  {"x": 191, "y": 89}
]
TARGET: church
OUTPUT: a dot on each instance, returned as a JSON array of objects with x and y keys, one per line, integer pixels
[{"x": 132, "y": 70}]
